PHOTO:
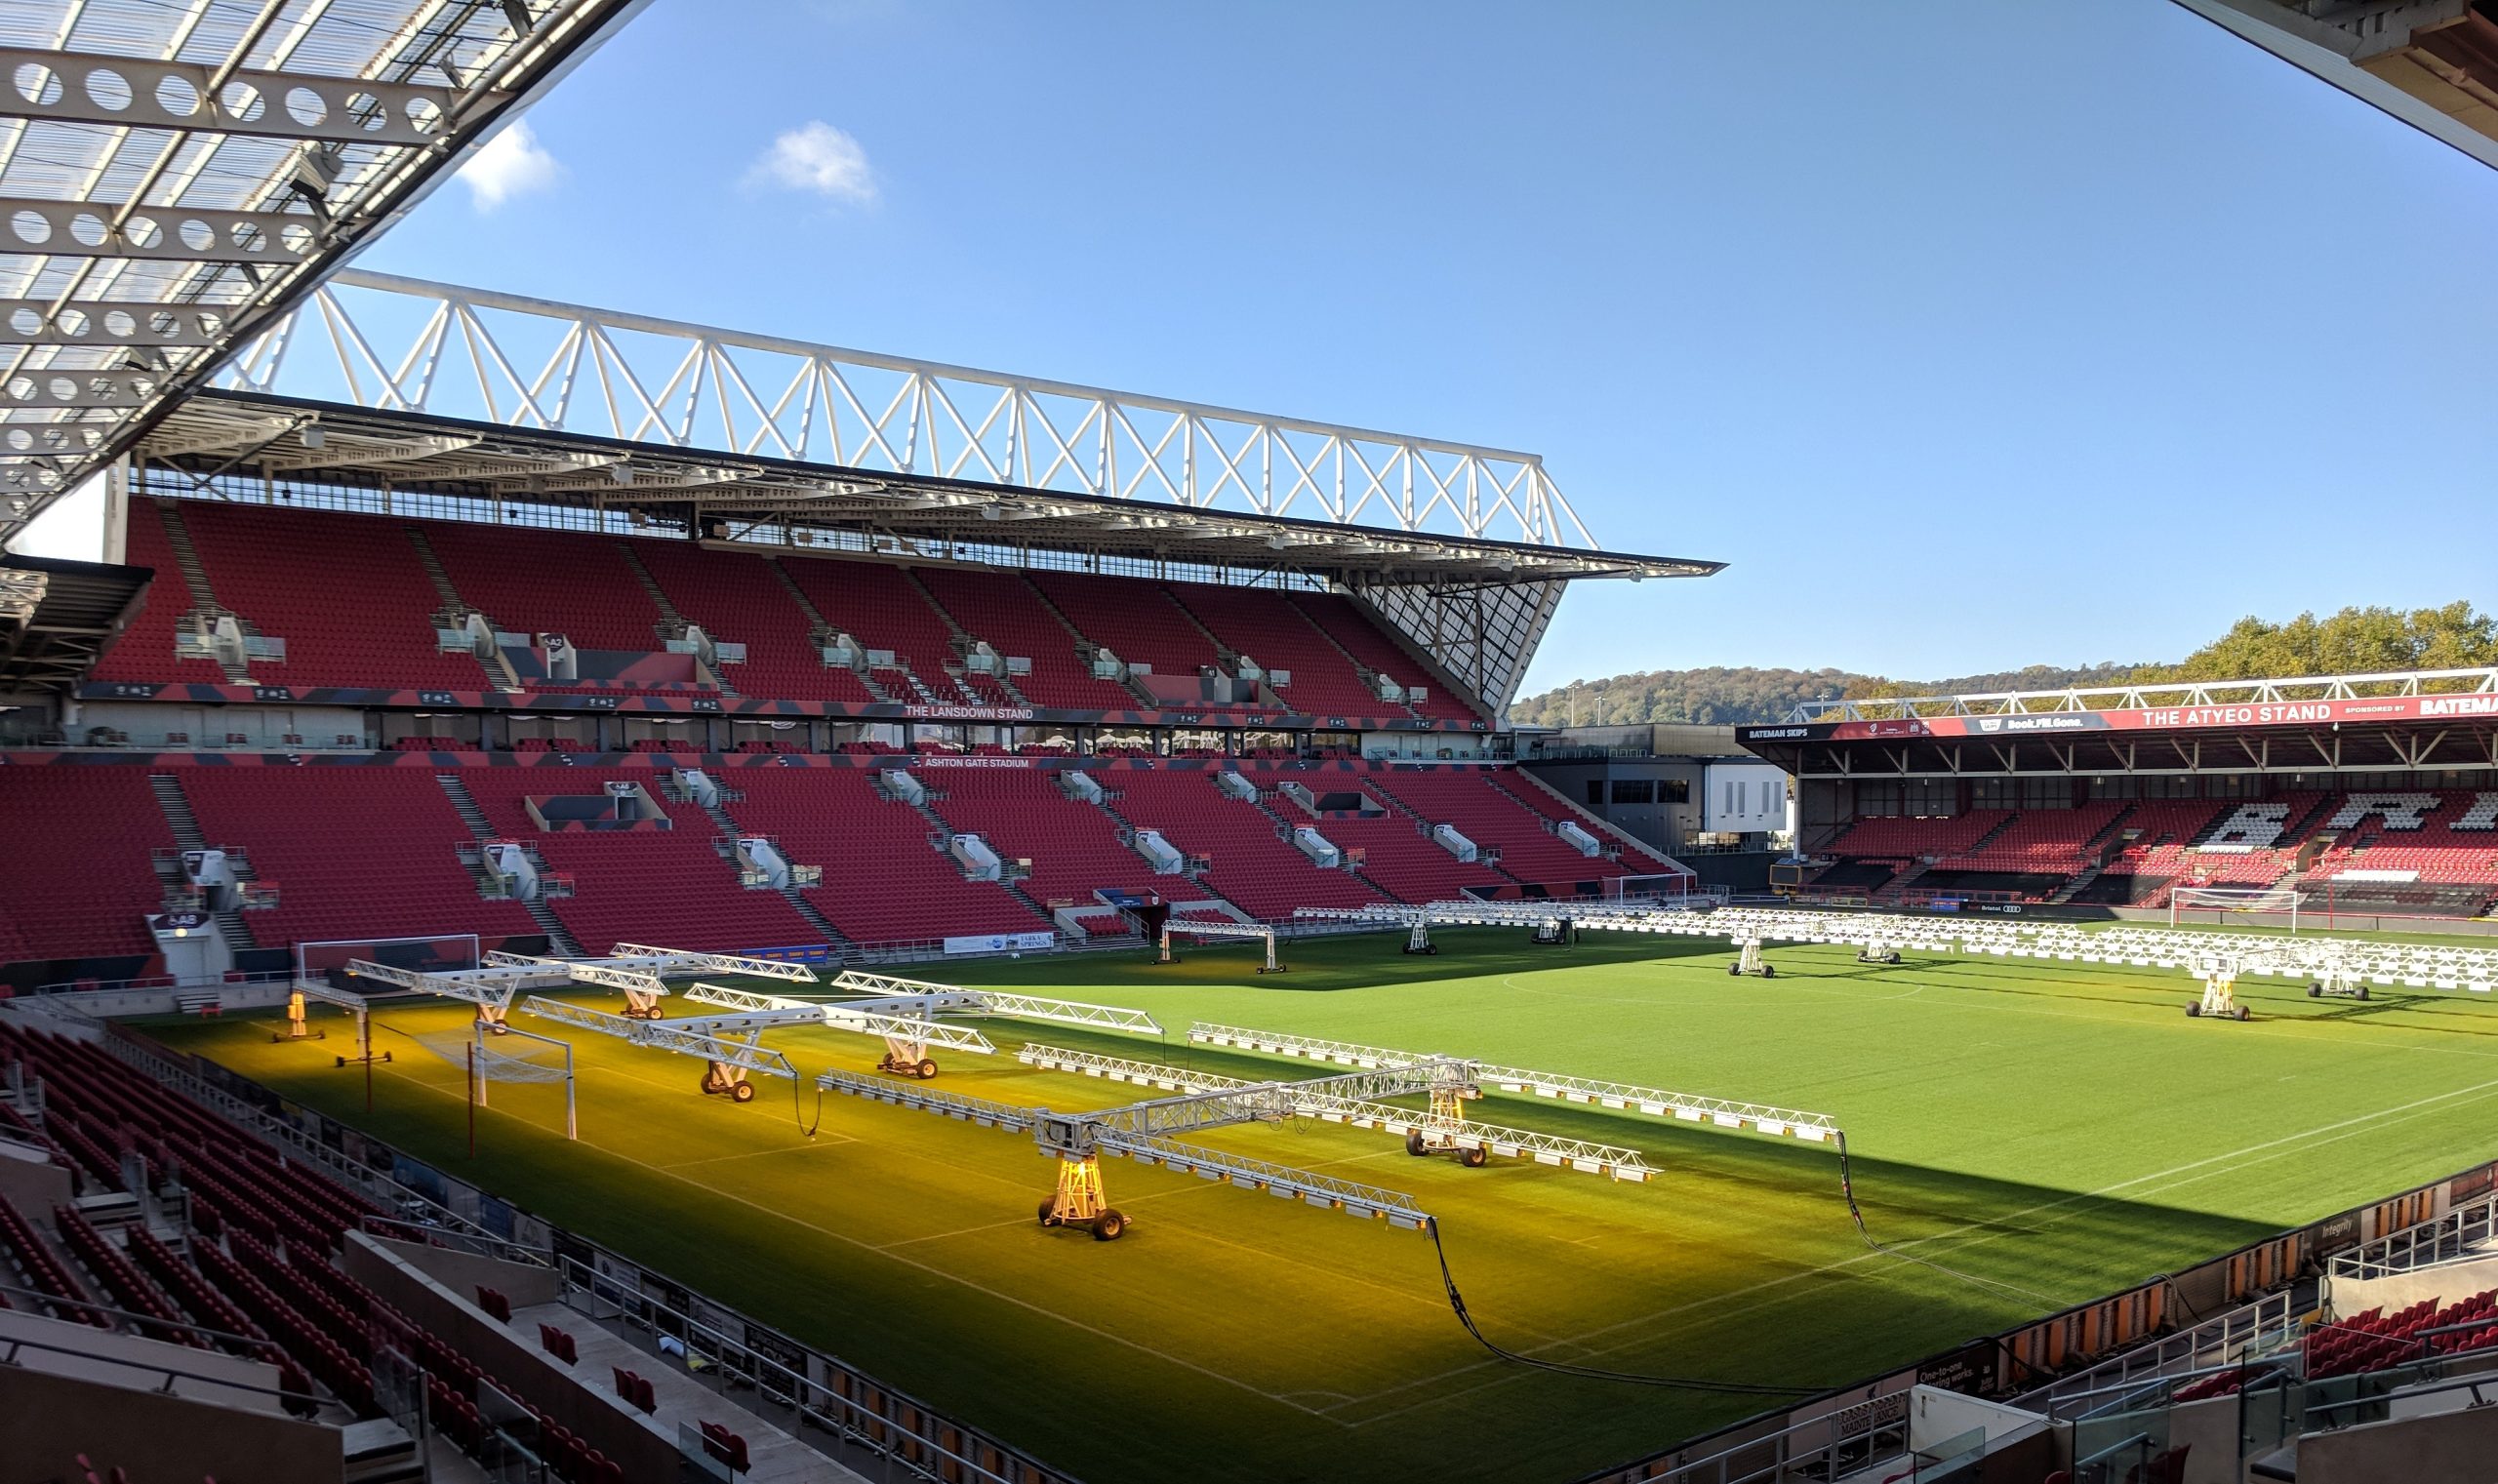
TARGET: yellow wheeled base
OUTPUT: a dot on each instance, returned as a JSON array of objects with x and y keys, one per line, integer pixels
[
  {"x": 2220, "y": 1000},
  {"x": 296, "y": 1029},
  {"x": 1079, "y": 1201},
  {"x": 721, "y": 1080}
]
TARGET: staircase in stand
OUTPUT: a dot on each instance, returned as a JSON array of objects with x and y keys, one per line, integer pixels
[
  {"x": 964, "y": 639},
  {"x": 1013, "y": 885},
  {"x": 176, "y": 806},
  {"x": 1397, "y": 806},
  {"x": 1127, "y": 834},
  {"x": 559, "y": 937},
  {"x": 672, "y": 624},
  {"x": 1084, "y": 645},
  {"x": 204, "y": 605},
  {"x": 833, "y": 939},
  {"x": 1369, "y": 676},
  {"x": 820, "y": 632},
  {"x": 454, "y": 611}
]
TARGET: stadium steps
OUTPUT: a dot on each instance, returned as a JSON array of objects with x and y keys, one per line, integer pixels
[
  {"x": 454, "y": 611},
  {"x": 1400, "y": 807},
  {"x": 179, "y": 817},
  {"x": 559, "y": 937},
  {"x": 1369, "y": 676},
  {"x": 1013, "y": 884},
  {"x": 673, "y": 622},
  {"x": 822, "y": 631},
  {"x": 1204, "y": 891},
  {"x": 842, "y": 948},
  {"x": 1594, "y": 824},
  {"x": 1085, "y": 645},
  {"x": 204, "y": 604},
  {"x": 964, "y": 639}
]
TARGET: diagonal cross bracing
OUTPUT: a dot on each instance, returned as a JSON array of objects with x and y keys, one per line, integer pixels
[
  {"x": 1579, "y": 1154},
  {"x": 1394, "y": 1207},
  {"x": 679, "y": 961},
  {"x": 1655, "y": 1102},
  {"x": 750, "y": 1012},
  {"x": 984, "y": 1111},
  {"x": 662, "y": 1036}
]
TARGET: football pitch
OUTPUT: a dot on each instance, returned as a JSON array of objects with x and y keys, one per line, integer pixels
[{"x": 2039, "y": 1134}]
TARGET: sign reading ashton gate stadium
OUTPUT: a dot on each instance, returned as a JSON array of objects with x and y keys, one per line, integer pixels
[{"x": 2274, "y": 714}]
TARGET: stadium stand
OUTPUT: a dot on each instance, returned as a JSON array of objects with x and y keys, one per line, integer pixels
[
  {"x": 1250, "y": 858},
  {"x": 736, "y": 599},
  {"x": 532, "y": 582},
  {"x": 1023, "y": 814},
  {"x": 78, "y": 878},
  {"x": 348, "y": 594},
  {"x": 884, "y": 883},
  {"x": 628, "y": 880},
  {"x": 1006, "y": 612},
  {"x": 146, "y": 648},
  {"x": 353, "y": 852},
  {"x": 1513, "y": 815}
]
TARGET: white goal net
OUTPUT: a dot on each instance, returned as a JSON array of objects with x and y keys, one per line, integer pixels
[{"x": 2220, "y": 900}]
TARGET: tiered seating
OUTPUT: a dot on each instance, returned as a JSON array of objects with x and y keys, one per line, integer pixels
[
  {"x": 130, "y": 1289},
  {"x": 1000, "y": 608},
  {"x": 2440, "y": 837},
  {"x": 1252, "y": 867},
  {"x": 1473, "y": 800},
  {"x": 1522, "y": 788},
  {"x": 76, "y": 879},
  {"x": 549, "y": 582},
  {"x": 736, "y": 598},
  {"x": 876, "y": 604},
  {"x": 628, "y": 884},
  {"x": 345, "y": 592},
  {"x": 1074, "y": 848},
  {"x": 882, "y": 882},
  {"x": 1341, "y": 618},
  {"x": 1136, "y": 621},
  {"x": 353, "y": 852},
  {"x": 2041, "y": 841},
  {"x": 1914, "y": 837},
  {"x": 146, "y": 649},
  {"x": 1400, "y": 859},
  {"x": 2376, "y": 1340},
  {"x": 41, "y": 1270},
  {"x": 1263, "y": 623}
]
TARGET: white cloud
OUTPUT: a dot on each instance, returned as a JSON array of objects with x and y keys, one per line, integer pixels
[
  {"x": 817, "y": 157},
  {"x": 513, "y": 164}
]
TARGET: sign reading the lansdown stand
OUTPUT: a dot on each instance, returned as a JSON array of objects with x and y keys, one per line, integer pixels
[{"x": 2272, "y": 713}]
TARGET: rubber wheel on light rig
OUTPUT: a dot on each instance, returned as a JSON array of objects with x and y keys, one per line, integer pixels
[
  {"x": 1108, "y": 1225},
  {"x": 1414, "y": 1144},
  {"x": 925, "y": 1069},
  {"x": 743, "y": 1092},
  {"x": 1473, "y": 1159}
]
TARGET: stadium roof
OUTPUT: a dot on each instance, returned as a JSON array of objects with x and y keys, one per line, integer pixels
[
  {"x": 217, "y": 435},
  {"x": 55, "y": 616},
  {"x": 2432, "y": 63},
  {"x": 176, "y": 173}
]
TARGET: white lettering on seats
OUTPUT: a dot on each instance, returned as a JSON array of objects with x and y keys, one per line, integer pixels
[
  {"x": 2254, "y": 827},
  {"x": 2401, "y": 811}
]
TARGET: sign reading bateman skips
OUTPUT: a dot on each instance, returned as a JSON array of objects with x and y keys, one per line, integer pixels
[{"x": 2271, "y": 713}]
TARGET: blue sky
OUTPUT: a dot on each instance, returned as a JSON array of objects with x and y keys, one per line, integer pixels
[{"x": 1970, "y": 335}]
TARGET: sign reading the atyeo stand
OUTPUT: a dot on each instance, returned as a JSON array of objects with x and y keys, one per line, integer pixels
[{"x": 2276, "y": 713}]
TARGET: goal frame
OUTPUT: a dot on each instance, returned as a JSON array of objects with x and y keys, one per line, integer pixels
[{"x": 2221, "y": 900}]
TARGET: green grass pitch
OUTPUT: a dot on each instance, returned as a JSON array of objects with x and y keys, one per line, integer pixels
[{"x": 2056, "y": 1130}]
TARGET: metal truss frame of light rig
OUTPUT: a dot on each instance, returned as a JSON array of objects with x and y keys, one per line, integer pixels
[{"x": 176, "y": 173}]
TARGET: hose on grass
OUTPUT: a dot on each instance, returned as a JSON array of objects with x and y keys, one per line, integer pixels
[
  {"x": 1856, "y": 1214},
  {"x": 798, "y": 1104},
  {"x": 1456, "y": 1302}
]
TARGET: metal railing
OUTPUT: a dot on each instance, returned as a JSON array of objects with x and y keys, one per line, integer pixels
[
  {"x": 2225, "y": 1339},
  {"x": 858, "y": 1411},
  {"x": 2459, "y": 1234}
]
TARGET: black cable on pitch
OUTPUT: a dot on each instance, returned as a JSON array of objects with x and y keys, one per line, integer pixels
[
  {"x": 1856, "y": 1214},
  {"x": 1456, "y": 1302},
  {"x": 797, "y": 1104}
]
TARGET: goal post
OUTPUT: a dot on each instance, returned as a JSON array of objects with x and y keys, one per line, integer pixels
[
  {"x": 1661, "y": 886},
  {"x": 326, "y": 962},
  {"x": 2220, "y": 900}
]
